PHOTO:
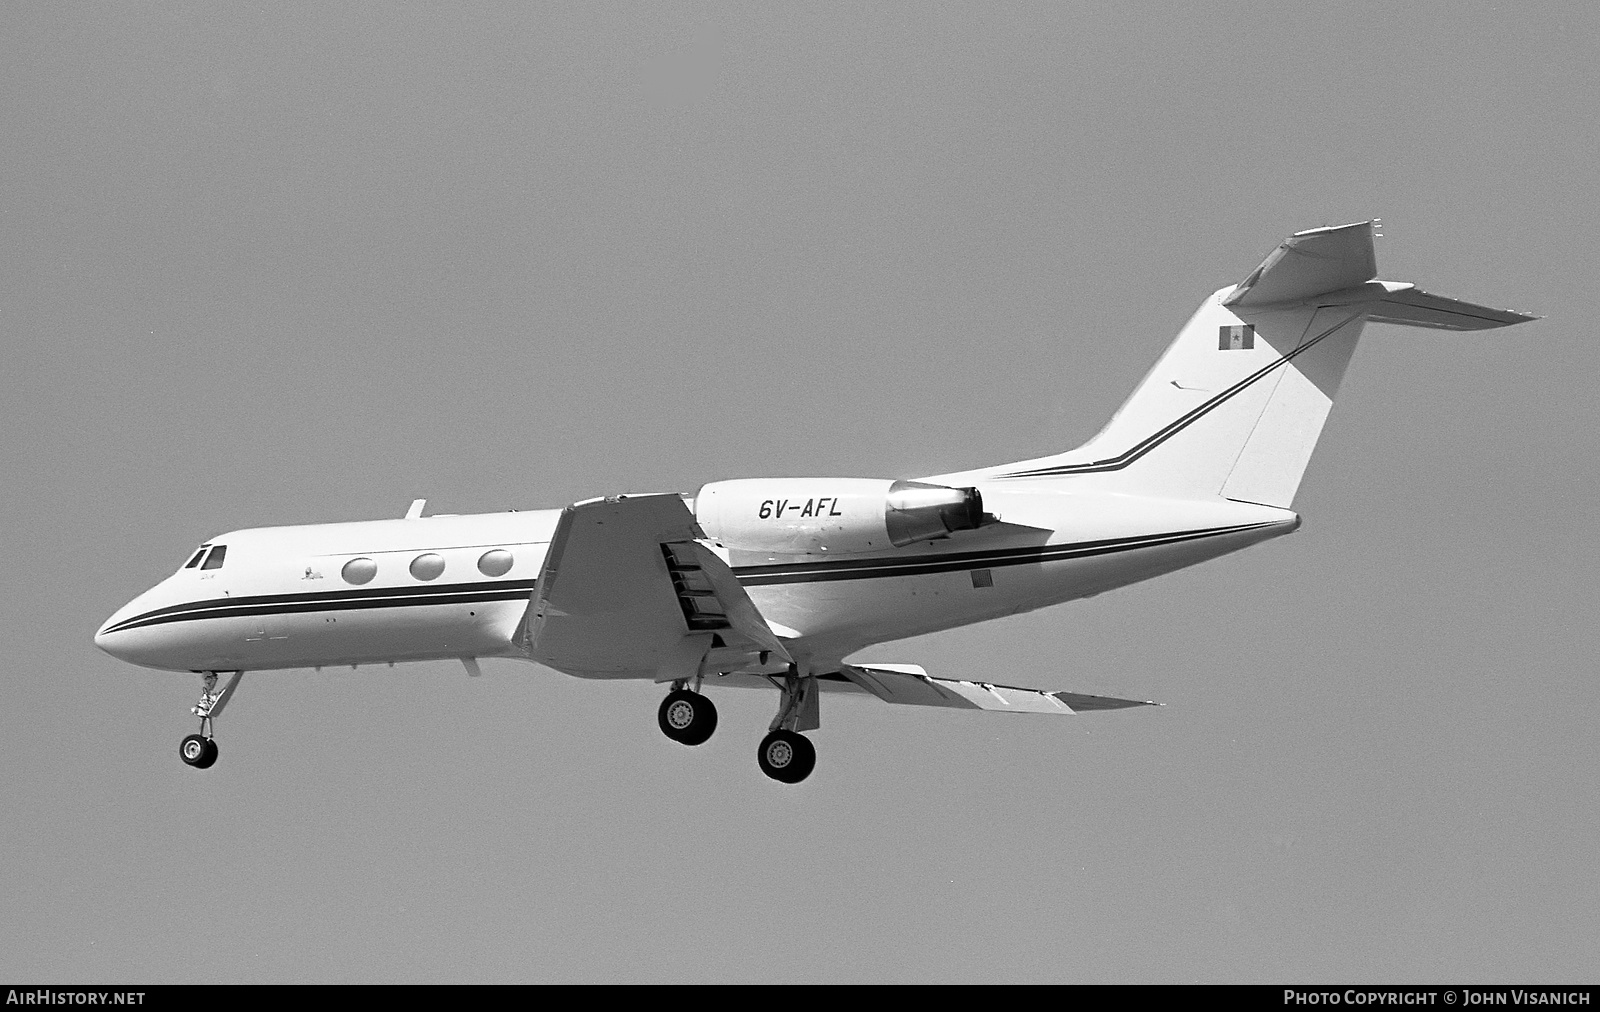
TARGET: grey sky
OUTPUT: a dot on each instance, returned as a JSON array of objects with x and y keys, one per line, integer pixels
[{"x": 311, "y": 262}]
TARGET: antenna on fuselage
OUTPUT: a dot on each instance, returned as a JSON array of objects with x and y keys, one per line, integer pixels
[{"x": 415, "y": 512}]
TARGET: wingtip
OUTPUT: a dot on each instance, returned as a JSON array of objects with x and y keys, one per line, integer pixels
[
  {"x": 1521, "y": 317},
  {"x": 1081, "y": 702}
]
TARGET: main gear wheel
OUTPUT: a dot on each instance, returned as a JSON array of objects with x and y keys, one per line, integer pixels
[
  {"x": 787, "y": 756},
  {"x": 687, "y": 717}
]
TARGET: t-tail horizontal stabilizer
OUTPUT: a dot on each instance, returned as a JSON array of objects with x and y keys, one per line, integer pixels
[
  {"x": 910, "y": 684},
  {"x": 1337, "y": 267},
  {"x": 1410, "y": 306},
  {"x": 1309, "y": 263}
]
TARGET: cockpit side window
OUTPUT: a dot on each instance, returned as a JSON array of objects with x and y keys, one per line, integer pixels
[
  {"x": 197, "y": 557},
  {"x": 214, "y": 560}
]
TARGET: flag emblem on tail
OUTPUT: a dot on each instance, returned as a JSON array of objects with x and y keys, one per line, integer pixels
[{"x": 1237, "y": 337}]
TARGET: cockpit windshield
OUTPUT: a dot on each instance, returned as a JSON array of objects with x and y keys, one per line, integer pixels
[
  {"x": 197, "y": 557},
  {"x": 214, "y": 560}
]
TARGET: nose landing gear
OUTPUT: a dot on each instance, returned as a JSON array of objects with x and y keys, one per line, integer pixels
[{"x": 200, "y": 750}]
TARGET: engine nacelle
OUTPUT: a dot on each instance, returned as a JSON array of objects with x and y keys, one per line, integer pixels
[{"x": 814, "y": 516}]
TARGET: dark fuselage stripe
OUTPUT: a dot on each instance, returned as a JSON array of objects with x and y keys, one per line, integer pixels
[
  {"x": 873, "y": 569},
  {"x": 1155, "y": 439},
  {"x": 352, "y": 599}
]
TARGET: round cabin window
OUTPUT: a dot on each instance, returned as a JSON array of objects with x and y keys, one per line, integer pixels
[
  {"x": 359, "y": 571},
  {"x": 427, "y": 567},
  {"x": 495, "y": 563}
]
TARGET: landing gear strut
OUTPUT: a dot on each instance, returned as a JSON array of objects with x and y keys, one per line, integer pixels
[
  {"x": 786, "y": 755},
  {"x": 200, "y": 750},
  {"x": 687, "y": 717}
]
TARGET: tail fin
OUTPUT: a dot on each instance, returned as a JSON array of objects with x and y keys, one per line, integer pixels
[{"x": 1235, "y": 405}]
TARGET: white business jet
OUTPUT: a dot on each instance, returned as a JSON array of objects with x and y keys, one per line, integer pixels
[{"x": 775, "y": 582}]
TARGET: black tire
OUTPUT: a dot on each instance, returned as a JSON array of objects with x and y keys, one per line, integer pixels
[
  {"x": 687, "y": 717},
  {"x": 210, "y": 758},
  {"x": 787, "y": 757},
  {"x": 194, "y": 749}
]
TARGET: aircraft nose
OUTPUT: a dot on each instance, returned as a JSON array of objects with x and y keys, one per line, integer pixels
[
  {"x": 106, "y": 639},
  {"x": 137, "y": 634},
  {"x": 113, "y": 637}
]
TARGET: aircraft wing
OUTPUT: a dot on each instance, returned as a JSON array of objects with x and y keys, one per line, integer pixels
[
  {"x": 627, "y": 590},
  {"x": 908, "y": 683}
]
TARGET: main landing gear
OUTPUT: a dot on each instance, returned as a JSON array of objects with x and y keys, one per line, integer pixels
[
  {"x": 687, "y": 717},
  {"x": 200, "y": 750},
  {"x": 785, "y": 755}
]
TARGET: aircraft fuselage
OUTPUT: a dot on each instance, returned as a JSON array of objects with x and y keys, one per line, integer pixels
[{"x": 459, "y": 586}]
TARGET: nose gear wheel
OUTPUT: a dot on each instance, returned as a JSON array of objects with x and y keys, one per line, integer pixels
[{"x": 198, "y": 751}]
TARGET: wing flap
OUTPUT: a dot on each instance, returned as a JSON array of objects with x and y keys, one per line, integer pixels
[
  {"x": 741, "y": 614},
  {"x": 911, "y": 685}
]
